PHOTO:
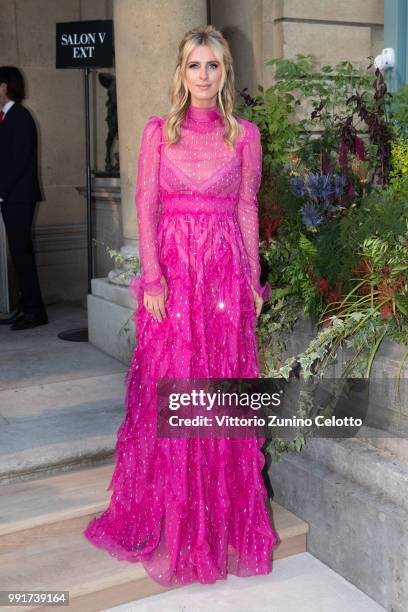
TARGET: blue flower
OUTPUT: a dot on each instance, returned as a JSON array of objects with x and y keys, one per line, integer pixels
[
  {"x": 298, "y": 185},
  {"x": 320, "y": 185},
  {"x": 312, "y": 214}
]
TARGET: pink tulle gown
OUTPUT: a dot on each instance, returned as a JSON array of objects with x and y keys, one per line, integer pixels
[{"x": 192, "y": 509}]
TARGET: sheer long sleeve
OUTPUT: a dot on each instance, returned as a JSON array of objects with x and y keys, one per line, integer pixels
[
  {"x": 247, "y": 207},
  {"x": 147, "y": 205}
]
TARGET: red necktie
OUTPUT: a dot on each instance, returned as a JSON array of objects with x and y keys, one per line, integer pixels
[{"x": 2, "y": 113}]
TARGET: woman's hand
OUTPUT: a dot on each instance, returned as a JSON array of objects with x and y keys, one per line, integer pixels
[
  {"x": 258, "y": 302},
  {"x": 155, "y": 304}
]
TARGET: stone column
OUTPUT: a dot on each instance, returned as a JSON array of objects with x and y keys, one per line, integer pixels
[
  {"x": 241, "y": 22},
  {"x": 147, "y": 34},
  {"x": 146, "y": 39}
]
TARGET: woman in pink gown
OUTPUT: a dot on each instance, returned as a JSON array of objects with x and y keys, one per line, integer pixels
[{"x": 193, "y": 509}]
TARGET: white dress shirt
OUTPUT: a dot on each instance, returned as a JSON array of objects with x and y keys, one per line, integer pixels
[{"x": 6, "y": 108}]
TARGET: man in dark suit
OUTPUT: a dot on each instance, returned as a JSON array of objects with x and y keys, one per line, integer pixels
[{"x": 19, "y": 193}]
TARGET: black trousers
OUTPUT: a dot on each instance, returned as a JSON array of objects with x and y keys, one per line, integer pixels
[{"x": 18, "y": 219}]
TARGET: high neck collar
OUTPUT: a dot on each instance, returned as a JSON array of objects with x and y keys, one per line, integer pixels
[{"x": 206, "y": 114}]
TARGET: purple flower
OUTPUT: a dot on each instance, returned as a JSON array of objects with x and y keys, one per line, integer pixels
[
  {"x": 312, "y": 214},
  {"x": 319, "y": 192},
  {"x": 320, "y": 185}
]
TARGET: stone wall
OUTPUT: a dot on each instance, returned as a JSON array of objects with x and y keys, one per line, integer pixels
[{"x": 264, "y": 29}]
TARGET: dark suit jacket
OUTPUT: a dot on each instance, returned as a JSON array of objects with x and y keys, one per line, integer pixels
[{"x": 18, "y": 157}]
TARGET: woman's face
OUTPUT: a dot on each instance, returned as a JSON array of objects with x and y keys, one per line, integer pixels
[{"x": 203, "y": 76}]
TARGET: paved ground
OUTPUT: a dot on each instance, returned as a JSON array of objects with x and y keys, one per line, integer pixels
[
  {"x": 37, "y": 356},
  {"x": 59, "y": 400},
  {"x": 300, "y": 583}
]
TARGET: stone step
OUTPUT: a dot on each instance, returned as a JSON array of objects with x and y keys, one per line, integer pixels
[
  {"x": 42, "y": 501},
  {"x": 57, "y": 426},
  {"x": 42, "y": 545},
  {"x": 377, "y": 470}
]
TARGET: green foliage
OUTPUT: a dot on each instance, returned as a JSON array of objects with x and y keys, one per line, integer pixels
[
  {"x": 301, "y": 101},
  {"x": 348, "y": 275},
  {"x": 337, "y": 244},
  {"x": 278, "y": 133},
  {"x": 399, "y": 171}
]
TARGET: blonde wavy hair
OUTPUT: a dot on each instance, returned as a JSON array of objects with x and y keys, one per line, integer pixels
[{"x": 180, "y": 95}]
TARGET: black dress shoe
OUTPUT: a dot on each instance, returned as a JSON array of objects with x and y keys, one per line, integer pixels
[
  {"x": 29, "y": 321},
  {"x": 19, "y": 314}
]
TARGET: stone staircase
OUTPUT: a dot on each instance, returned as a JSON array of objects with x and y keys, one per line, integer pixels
[
  {"x": 58, "y": 426},
  {"x": 42, "y": 546}
]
